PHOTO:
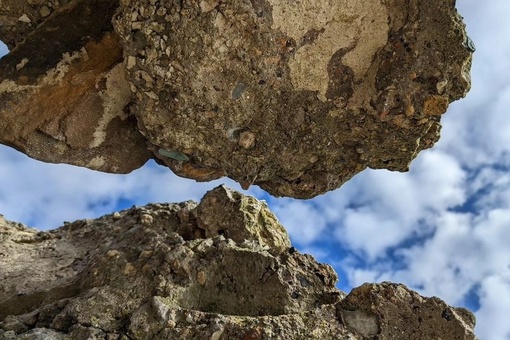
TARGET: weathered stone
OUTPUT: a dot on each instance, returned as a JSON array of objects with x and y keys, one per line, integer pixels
[
  {"x": 294, "y": 97},
  {"x": 66, "y": 103},
  {"x": 19, "y": 18},
  {"x": 152, "y": 273},
  {"x": 223, "y": 210},
  {"x": 257, "y": 89},
  {"x": 385, "y": 310}
]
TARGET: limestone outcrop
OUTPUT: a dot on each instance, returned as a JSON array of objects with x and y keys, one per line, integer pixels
[
  {"x": 296, "y": 97},
  {"x": 195, "y": 271}
]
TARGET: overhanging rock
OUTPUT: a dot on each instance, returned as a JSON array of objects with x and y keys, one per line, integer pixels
[
  {"x": 64, "y": 91},
  {"x": 294, "y": 97}
]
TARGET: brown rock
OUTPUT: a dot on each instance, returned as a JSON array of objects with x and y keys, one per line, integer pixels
[
  {"x": 252, "y": 90},
  {"x": 211, "y": 76},
  {"x": 223, "y": 210},
  {"x": 66, "y": 103},
  {"x": 145, "y": 280},
  {"x": 391, "y": 310}
]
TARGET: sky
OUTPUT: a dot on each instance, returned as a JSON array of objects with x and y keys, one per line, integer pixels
[{"x": 443, "y": 228}]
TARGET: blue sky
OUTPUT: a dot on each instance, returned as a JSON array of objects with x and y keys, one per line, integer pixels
[{"x": 443, "y": 228}]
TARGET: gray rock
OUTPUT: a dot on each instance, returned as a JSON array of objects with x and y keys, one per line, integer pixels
[
  {"x": 296, "y": 99},
  {"x": 153, "y": 273}
]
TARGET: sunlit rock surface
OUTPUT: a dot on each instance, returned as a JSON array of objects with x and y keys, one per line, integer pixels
[
  {"x": 296, "y": 97},
  {"x": 194, "y": 271}
]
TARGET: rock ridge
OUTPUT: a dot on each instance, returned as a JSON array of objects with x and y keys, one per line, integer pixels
[{"x": 196, "y": 271}]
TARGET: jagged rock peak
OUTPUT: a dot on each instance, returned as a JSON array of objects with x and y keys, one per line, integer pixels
[{"x": 220, "y": 269}]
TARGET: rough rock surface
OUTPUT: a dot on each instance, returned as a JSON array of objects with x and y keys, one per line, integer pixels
[
  {"x": 18, "y": 18},
  {"x": 171, "y": 271},
  {"x": 64, "y": 90},
  {"x": 296, "y": 97}
]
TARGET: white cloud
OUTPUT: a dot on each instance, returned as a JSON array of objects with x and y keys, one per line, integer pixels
[
  {"x": 47, "y": 194},
  {"x": 492, "y": 318},
  {"x": 390, "y": 206},
  {"x": 476, "y": 129},
  {"x": 304, "y": 223}
]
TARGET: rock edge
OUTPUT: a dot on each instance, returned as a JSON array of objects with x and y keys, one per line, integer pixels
[{"x": 220, "y": 269}]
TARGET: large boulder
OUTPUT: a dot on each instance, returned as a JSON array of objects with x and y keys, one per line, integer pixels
[
  {"x": 172, "y": 271},
  {"x": 296, "y": 97}
]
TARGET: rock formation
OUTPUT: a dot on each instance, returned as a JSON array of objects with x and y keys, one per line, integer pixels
[
  {"x": 222, "y": 269},
  {"x": 295, "y": 97}
]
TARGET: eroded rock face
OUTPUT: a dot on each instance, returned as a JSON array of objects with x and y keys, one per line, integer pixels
[
  {"x": 64, "y": 91},
  {"x": 167, "y": 271},
  {"x": 294, "y": 97}
]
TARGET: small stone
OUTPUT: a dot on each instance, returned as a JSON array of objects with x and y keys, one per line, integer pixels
[
  {"x": 113, "y": 253},
  {"x": 410, "y": 110},
  {"x": 146, "y": 220},
  {"x": 237, "y": 92},
  {"x": 44, "y": 11},
  {"x": 152, "y": 95},
  {"x": 217, "y": 335},
  {"x": 435, "y": 105},
  {"x": 178, "y": 156},
  {"x": 129, "y": 269},
  {"x": 247, "y": 139},
  {"x": 24, "y": 18},
  {"x": 245, "y": 185},
  {"x": 441, "y": 86},
  {"x": 21, "y": 64},
  {"x": 131, "y": 62},
  {"x": 201, "y": 278},
  {"x": 207, "y": 6}
]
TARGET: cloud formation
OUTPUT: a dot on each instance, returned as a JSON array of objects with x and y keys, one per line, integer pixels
[{"x": 44, "y": 195}]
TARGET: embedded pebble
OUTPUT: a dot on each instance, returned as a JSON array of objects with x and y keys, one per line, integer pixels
[
  {"x": 174, "y": 155},
  {"x": 44, "y": 11},
  {"x": 146, "y": 220},
  {"x": 24, "y": 18},
  {"x": 247, "y": 139},
  {"x": 238, "y": 90}
]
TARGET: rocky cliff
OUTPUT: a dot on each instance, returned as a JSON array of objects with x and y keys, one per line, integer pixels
[
  {"x": 220, "y": 269},
  {"x": 296, "y": 97}
]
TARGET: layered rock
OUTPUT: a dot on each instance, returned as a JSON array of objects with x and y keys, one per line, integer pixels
[
  {"x": 294, "y": 97},
  {"x": 188, "y": 271},
  {"x": 64, "y": 91}
]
